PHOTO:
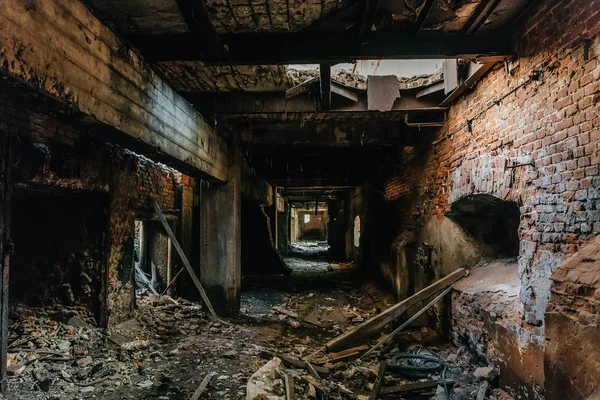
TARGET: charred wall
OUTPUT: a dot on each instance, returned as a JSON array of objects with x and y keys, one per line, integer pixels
[{"x": 58, "y": 155}]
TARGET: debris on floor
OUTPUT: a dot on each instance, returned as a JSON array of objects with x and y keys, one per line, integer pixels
[{"x": 280, "y": 348}]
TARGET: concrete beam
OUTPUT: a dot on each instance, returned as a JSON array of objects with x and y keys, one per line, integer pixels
[
  {"x": 61, "y": 50},
  {"x": 221, "y": 235},
  {"x": 314, "y": 47}
]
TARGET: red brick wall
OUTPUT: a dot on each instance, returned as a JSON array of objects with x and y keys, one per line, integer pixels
[{"x": 545, "y": 111}]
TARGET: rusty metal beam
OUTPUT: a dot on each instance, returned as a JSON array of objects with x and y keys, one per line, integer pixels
[{"x": 239, "y": 104}]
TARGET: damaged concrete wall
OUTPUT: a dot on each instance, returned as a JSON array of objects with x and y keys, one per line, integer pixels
[
  {"x": 55, "y": 156},
  {"x": 60, "y": 49},
  {"x": 528, "y": 134}
]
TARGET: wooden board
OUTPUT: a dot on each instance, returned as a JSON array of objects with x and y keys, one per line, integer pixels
[{"x": 375, "y": 325}]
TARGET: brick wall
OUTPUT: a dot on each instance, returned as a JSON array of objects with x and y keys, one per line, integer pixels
[
  {"x": 543, "y": 112},
  {"x": 54, "y": 153}
]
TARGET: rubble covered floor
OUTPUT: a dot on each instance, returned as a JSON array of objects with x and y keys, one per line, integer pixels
[{"x": 171, "y": 345}]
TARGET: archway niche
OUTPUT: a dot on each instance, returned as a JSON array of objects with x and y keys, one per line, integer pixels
[{"x": 491, "y": 222}]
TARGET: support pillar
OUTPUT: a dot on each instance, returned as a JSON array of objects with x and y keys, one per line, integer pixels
[
  {"x": 220, "y": 255},
  {"x": 5, "y": 250}
]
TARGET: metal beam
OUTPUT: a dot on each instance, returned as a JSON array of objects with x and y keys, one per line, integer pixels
[
  {"x": 248, "y": 104},
  {"x": 325, "y": 85},
  {"x": 310, "y": 47},
  {"x": 479, "y": 16}
]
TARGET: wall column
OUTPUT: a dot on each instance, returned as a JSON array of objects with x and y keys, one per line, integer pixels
[{"x": 220, "y": 255}]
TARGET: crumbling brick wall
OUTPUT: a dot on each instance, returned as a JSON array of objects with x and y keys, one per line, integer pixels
[
  {"x": 54, "y": 153},
  {"x": 540, "y": 112},
  {"x": 528, "y": 132}
]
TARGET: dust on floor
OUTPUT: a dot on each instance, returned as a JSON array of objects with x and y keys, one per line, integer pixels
[{"x": 171, "y": 345}]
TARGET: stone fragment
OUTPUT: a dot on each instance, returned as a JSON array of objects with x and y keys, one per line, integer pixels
[
  {"x": 484, "y": 372},
  {"x": 87, "y": 389},
  {"x": 147, "y": 384},
  {"x": 84, "y": 362}
]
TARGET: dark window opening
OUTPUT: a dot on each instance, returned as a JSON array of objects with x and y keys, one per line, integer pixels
[{"x": 58, "y": 249}]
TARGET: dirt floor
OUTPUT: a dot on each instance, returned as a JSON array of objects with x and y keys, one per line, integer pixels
[{"x": 171, "y": 345}]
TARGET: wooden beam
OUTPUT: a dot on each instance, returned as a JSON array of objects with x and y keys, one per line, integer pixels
[
  {"x": 413, "y": 387},
  {"x": 301, "y": 88},
  {"x": 479, "y": 16},
  {"x": 184, "y": 259},
  {"x": 313, "y": 47},
  {"x": 375, "y": 325},
  {"x": 474, "y": 73},
  {"x": 202, "y": 386},
  {"x": 379, "y": 381},
  {"x": 423, "y": 15},
  {"x": 325, "y": 85},
  {"x": 368, "y": 18},
  {"x": 196, "y": 17}
]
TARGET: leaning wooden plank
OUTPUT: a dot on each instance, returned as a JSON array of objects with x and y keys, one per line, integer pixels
[
  {"x": 411, "y": 387},
  {"x": 407, "y": 322},
  {"x": 292, "y": 314},
  {"x": 375, "y": 325},
  {"x": 289, "y": 387},
  {"x": 202, "y": 386},
  {"x": 186, "y": 263},
  {"x": 378, "y": 382}
]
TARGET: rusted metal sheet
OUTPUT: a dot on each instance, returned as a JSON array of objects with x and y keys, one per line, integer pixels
[{"x": 382, "y": 92}]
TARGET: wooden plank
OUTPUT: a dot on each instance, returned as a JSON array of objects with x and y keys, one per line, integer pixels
[
  {"x": 293, "y": 362},
  {"x": 475, "y": 72},
  {"x": 378, "y": 382},
  {"x": 289, "y": 387},
  {"x": 376, "y": 324},
  {"x": 5, "y": 194},
  {"x": 184, "y": 259},
  {"x": 202, "y": 386},
  {"x": 293, "y": 315},
  {"x": 408, "y": 322},
  {"x": 411, "y": 387},
  {"x": 302, "y": 88},
  {"x": 342, "y": 355}
]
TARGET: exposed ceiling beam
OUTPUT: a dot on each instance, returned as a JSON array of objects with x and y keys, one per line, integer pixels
[
  {"x": 368, "y": 18},
  {"x": 196, "y": 17},
  {"x": 423, "y": 15},
  {"x": 309, "y": 47},
  {"x": 479, "y": 16},
  {"x": 325, "y": 85},
  {"x": 474, "y": 73},
  {"x": 245, "y": 104},
  {"x": 436, "y": 87}
]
